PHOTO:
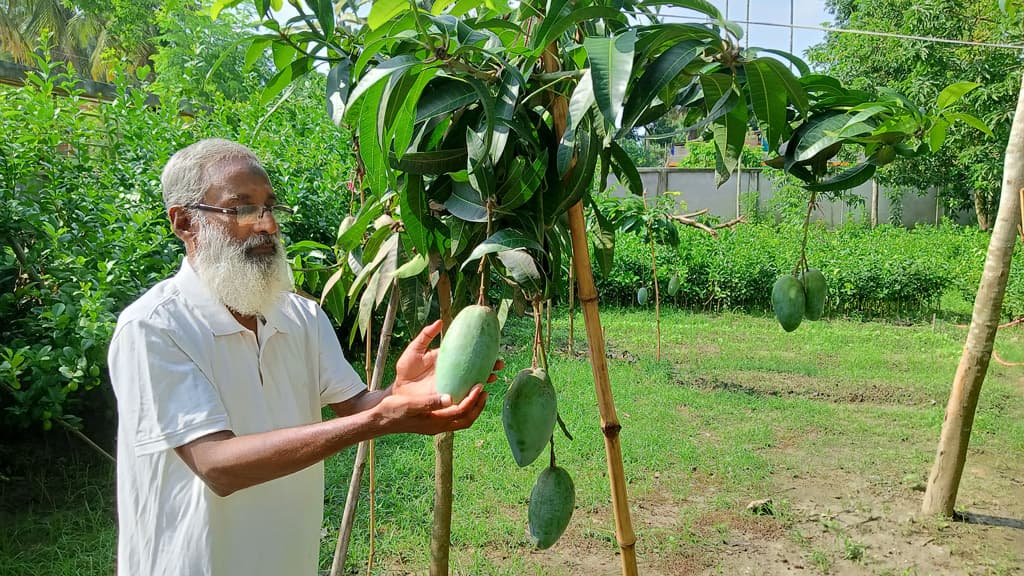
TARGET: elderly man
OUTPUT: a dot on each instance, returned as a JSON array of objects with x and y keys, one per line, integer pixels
[{"x": 220, "y": 374}]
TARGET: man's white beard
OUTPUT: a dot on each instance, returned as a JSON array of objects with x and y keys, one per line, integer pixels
[{"x": 249, "y": 284}]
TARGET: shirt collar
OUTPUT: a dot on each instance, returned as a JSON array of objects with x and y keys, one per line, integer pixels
[{"x": 216, "y": 315}]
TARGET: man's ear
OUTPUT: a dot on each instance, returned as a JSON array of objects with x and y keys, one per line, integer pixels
[{"x": 183, "y": 224}]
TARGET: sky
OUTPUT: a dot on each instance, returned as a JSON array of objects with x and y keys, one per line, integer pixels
[{"x": 805, "y": 12}]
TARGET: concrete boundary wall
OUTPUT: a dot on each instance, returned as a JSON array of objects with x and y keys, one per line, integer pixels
[{"x": 696, "y": 188}]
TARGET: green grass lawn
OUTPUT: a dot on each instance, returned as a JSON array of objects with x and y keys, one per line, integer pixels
[{"x": 735, "y": 409}]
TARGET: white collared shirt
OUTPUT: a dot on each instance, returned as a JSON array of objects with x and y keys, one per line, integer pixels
[{"x": 182, "y": 367}]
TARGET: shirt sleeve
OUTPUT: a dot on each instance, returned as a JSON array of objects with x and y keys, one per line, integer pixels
[
  {"x": 163, "y": 397},
  {"x": 338, "y": 379}
]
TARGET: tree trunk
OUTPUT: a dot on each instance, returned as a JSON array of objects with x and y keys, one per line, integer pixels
[
  {"x": 944, "y": 480},
  {"x": 441, "y": 528},
  {"x": 981, "y": 210}
]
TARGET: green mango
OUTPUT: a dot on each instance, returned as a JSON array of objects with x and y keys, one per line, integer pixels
[
  {"x": 551, "y": 504},
  {"x": 673, "y": 285},
  {"x": 788, "y": 301},
  {"x": 468, "y": 351},
  {"x": 815, "y": 290},
  {"x": 641, "y": 295},
  {"x": 529, "y": 414}
]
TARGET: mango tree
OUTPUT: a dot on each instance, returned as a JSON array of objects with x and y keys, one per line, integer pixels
[{"x": 483, "y": 125}]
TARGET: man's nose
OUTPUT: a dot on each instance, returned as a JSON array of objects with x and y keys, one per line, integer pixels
[{"x": 266, "y": 223}]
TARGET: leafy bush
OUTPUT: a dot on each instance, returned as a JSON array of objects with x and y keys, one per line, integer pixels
[
  {"x": 887, "y": 272},
  {"x": 83, "y": 230}
]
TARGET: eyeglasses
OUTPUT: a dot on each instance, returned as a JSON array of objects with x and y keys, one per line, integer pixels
[{"x": 249, "y": 214}]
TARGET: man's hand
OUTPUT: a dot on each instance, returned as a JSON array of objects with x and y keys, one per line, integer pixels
[
  {"x": 430, "y": 413},
  {"x": 414, "y": 373}
]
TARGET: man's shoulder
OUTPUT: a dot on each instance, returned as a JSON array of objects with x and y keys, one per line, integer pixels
[
  {"x": 300, "y": 309},
  {"x": 159, "y": 305}
]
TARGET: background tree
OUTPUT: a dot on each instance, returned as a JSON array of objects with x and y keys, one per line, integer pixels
[{"x": 968, "y": 169}]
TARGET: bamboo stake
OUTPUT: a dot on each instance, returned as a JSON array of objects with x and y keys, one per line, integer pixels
[
  {"x": 657, "y": 293},
  {"x": 595, "y": 339},
  {"x": 951, "y": 455},
  {"x": 572, "y": 312},
  {"x": 547, "y": 339},
  {"x": 441, "y": 528},
  {"x": 352, "y": 499},
  {"x": 610, "y": 426}
]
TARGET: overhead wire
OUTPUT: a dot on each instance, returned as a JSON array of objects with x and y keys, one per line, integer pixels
[{"x": 832, "y": 29}]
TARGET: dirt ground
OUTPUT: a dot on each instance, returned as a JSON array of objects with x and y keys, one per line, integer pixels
[{"x": 841, "y": 523}]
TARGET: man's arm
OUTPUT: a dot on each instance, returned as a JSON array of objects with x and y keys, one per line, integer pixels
[{"x": 228, "y": 463}]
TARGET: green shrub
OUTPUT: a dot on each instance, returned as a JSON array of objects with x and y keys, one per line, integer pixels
[
  {"x": 83, "y": 230},
  {"x": 887, "y": 272}
]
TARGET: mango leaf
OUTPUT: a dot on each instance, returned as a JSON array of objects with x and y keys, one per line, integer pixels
[
  {"x": 413, "y": 267},
  {"x": 415, "y": 213},
  {"x": 611, "y": 63},
  {"x": 971, "y": 121},
  {"x": 937, "y": 134},
  {"x": 702, "y": 6},
  {"x": 388, "y": 267},
  {"x": 820, "y": 134},
  {"x": 506, "y": 239},
  {"x": 845, "y": 180},
  {"x": 353, "y": 236},
  {"x": 324, "y": 11},
  {"x": 398, "y": 64},
  {"x": 400, "y": 133},
  {"x": 799, "y": 64},
  {"x": 465, "y": 203},
  {"x": 221, "y": 5},
  {"x": 582, "y": 176},
  {"x": 443, "y": 95},
  {"x": 768, "y": 99},
  {"x": 370, "y": 150},
  {"x": 603, "y": 234},
  {"x": 552, "y": 26},
  {"x": 659, "y": 74},
  {"x": 430, "y": 163},
  {"x": 730, "y": 130},
  {"x": 255, "y": 51},
  {"x": 625, "y": 170},
  {"x": 653, "y": 37},
  {"x": 504, "y": 108},
  {"x": 283, "y": 78},
  {"x": 954, "y": 92},
  {"x": 366, "y": 304},
  {"x": 522, "y": 269},
  {"x": 383, "y": 10},
  {"x": 338, "y": 84},
  {"x": 794, "y": 88},
  {"x": 530, "y": 181}
]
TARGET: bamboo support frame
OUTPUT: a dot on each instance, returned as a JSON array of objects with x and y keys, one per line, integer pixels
[
  {"x": 610, "y": 425},
  {"x": 352, "y": 499},
  {"x": 441, "y": 527}
]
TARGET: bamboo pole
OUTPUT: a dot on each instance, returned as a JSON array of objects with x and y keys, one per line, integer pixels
[
  {"x": 610, "y": 425},
  {"x": 572, "y": 313},
  {"x": 654, "y": 274},
  {"x": 352, "y": 499},
  {"x": 951, "y": 455},
  {"x": 441, "y": 528}
]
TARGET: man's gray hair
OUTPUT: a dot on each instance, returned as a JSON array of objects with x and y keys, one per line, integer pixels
[{"x": 187, "y": 175}]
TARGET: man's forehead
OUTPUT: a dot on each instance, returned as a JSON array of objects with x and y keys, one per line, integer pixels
[{"x": 240, "y": 179}]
